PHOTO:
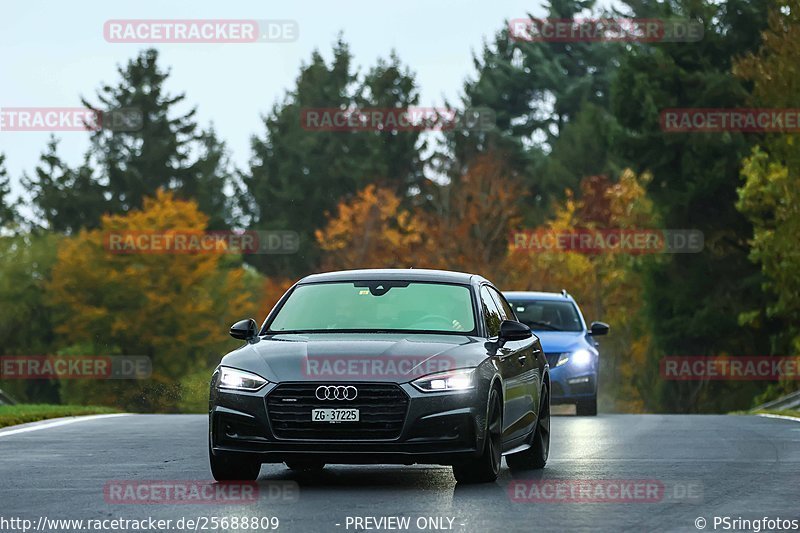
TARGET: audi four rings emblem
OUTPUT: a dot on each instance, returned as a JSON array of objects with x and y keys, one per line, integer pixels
[{"x": 336, "y": 392}]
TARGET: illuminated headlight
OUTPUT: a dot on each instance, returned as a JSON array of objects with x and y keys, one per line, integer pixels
[
  {"x": 580, "y": 357},
  {"x": 446, "y": 381},
  {"x": 230, "y": 378}
]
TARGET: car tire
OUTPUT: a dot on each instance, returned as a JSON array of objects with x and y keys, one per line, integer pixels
[
  {"x": 226, "y": 467},
  {"x": 586, "y": 407},
  {"x": 535, "y": 457},
  {"x": 305, "y": 465},
  {"x": 486, "y": 467}
]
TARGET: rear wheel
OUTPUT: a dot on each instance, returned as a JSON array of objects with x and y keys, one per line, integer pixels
[
  {"x": 586, "y": 407},
  {"x": 535, "y": 457},
  {"x": 226, "y": 467},
  {"x": 485, "y": 468}
]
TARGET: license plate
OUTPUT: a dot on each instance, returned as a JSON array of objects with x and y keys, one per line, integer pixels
[{"x": 334, "y": 415}]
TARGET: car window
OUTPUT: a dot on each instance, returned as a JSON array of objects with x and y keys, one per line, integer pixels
[
  {"x": 376, "y": 305},
  {"x": 505, "y": 310},
  {"x": 491, "y": 315},
  {"x": 548, "y": 314}
]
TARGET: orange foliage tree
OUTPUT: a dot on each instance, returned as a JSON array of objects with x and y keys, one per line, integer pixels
[
  {"x": 474, "y": 214},
  {"x": 372, "y": 230},
  {"x": 466, "y": 228}
]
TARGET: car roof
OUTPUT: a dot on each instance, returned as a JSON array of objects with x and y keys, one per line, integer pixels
[
  {"x": 404, "y": 274},
  {"x": 535, "y": 295}
]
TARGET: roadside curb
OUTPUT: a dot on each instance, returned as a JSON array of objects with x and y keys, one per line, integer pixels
[{"x": 781, "y": 417}]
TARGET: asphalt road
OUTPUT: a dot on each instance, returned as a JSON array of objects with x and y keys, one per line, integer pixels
[{"x": 701, "y": 466}]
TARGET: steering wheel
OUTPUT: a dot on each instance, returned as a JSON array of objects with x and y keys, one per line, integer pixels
[{"x": 438, "y": 318}]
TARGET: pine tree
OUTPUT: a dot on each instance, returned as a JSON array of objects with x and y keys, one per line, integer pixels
[
  {"x": 152, "y": 153},
  {"x": 298, "y": 175}
]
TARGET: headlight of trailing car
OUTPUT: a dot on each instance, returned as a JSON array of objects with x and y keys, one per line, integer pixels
[
  {"x": 230, "y": 378},
  {"x": 446, "y": 381},
  {"x": 581, "y": 357}
]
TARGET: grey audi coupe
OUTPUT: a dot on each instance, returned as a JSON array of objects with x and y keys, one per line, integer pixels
[{"x": 383, "y": 366}]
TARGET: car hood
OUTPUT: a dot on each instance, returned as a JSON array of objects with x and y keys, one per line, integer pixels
[
  {"x": 396, "y": 358},
  {"x": 561, "y": 341}
]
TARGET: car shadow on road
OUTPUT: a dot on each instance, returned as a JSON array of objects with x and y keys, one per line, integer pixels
[{"x": 358, "y": 477}]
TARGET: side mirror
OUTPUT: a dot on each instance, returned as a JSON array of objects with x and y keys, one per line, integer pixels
[
  {"x": 244, "y": 329},
  {"x": 599, "y": 328},
  {"x": 511, "y": 330}
]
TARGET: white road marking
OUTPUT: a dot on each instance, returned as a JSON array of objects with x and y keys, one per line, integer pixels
[
  {"x": 782, "y": 417},
  {"x": 56, "y": 423}
]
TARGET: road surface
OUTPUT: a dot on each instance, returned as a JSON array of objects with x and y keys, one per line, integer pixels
[{"x": 685, "y": 468}]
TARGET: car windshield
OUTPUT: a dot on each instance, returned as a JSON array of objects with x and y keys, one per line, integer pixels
[
  {"x": 547, "y": 315},
  {"x": 376, "y": 306}
]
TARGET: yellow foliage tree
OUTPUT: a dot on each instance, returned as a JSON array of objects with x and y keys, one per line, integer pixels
[
  {"x": 173, "y": 308},
  {"x": 607, "y": 286}
]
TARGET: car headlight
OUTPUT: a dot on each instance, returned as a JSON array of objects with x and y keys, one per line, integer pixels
[
  {"x": 446, "y": 381},
  {"x": 581, "y": 357},
  {"x": 230, "y": 378}
]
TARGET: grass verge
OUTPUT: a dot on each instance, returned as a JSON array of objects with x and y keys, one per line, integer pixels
[{"x": 11, "y": 415}]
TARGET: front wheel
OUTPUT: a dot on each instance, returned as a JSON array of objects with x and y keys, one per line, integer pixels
[
  {"x": 485, "y": 468},
  {"x": 226, "y": 467},
  {"x": 535, "y": 457}
]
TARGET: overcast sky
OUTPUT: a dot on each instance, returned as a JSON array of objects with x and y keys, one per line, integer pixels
[{"x": 51, "y": 53}]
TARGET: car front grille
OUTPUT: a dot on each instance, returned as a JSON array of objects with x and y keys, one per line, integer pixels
[{"x": 382, "y": 410}]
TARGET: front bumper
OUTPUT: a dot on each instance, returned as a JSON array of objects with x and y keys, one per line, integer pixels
[
  {"x": 569, "y": 386},
  {"x": 438, "y": 428}
]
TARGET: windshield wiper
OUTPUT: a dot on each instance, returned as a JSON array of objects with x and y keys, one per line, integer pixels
[{"x": 546, "y": 325}]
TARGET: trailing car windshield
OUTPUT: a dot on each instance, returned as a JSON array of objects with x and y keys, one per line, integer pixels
[
  {"x": 547, "y": 315},
  {"x": 376, "y": 306}
]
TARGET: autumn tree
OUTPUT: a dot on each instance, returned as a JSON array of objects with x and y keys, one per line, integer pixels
[
  {"x": 607, "y": 286},
  {"x": 472, "y": 216},
  {"x": 464, "y": 227},
  {"x": 372, "y": 230},
  {"x": 173, "y": 308},
  {"x": 771, "y": 191}
]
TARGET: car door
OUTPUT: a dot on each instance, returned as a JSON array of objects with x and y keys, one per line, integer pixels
[
  {"x": 529, "y": 356},
  {"x": 507, "y": 364}
]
